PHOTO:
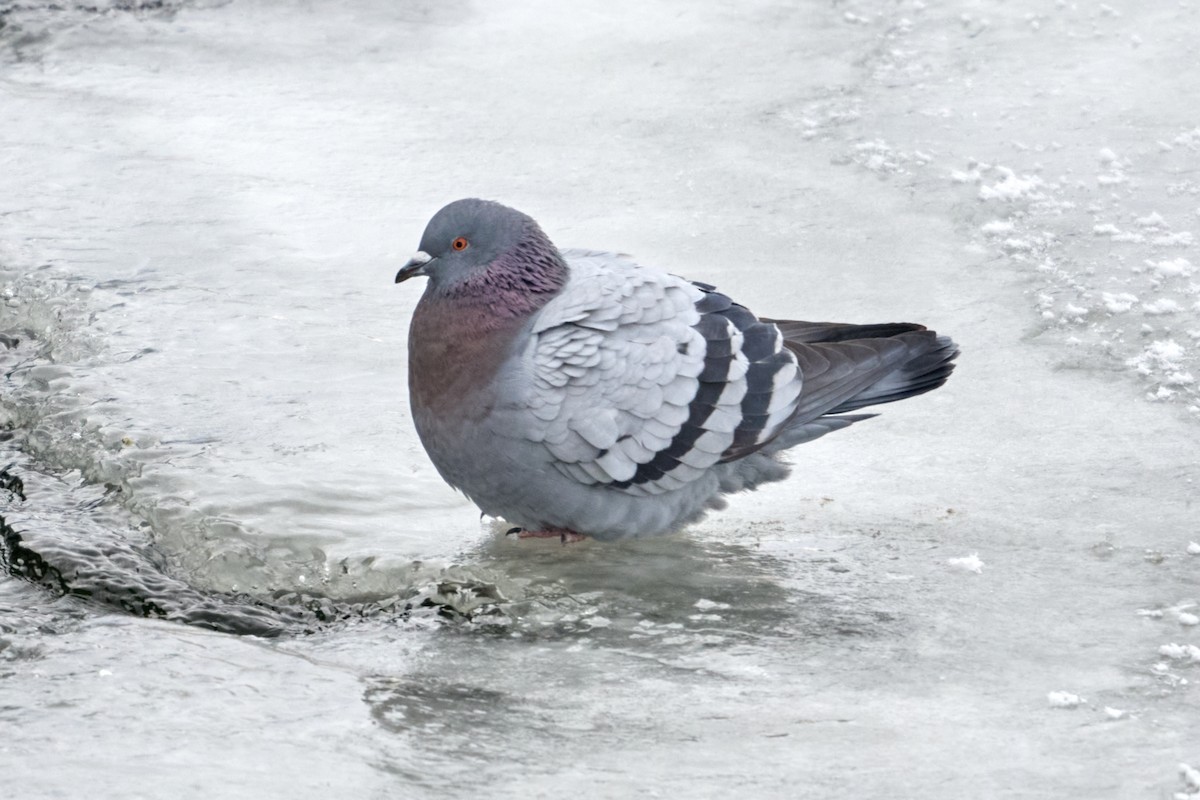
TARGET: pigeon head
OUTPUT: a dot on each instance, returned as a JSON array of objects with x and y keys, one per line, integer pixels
[{"x": 486, "y": 251}]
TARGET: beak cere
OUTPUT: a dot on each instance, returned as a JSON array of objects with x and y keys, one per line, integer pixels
[{"x": 414, "y": 267}]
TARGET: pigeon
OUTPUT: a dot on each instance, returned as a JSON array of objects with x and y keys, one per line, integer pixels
[{"x": 576, "y": 393}]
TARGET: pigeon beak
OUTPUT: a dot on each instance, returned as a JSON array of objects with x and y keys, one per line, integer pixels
[{"x": 414, "y": 267}]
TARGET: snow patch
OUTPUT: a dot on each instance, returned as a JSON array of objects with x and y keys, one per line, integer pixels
[
  {"x": 1180, "y": 652},
  {"x": 1172, "y": 268},
  {"x": 1189, "y": 139},
  {"x": 1181, "y": 239},
  {"x": 1152, "y": 220},
  {"x": 1159, "y": 355},
  {"x": 997, "y": 226},
  {"x": 1164, "y": 305},
  {"x": 1191, "y": 777},
  {"x": 876, "y": 156},
  {"x": 1118, "y": 303},
  {"x": 966, "y": 176},
  {"x": 1074, "y": 312},
  {"x": 971, "y": 563},
  {"x": 1063, "y": 700},
  {"x": 1012, "y": 187}
]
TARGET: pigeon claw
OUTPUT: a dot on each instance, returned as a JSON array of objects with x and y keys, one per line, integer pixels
[{"x": 562, "y": 534}]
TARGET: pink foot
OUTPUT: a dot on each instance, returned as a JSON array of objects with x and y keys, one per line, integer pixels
[{"x": 566, "y": 536}]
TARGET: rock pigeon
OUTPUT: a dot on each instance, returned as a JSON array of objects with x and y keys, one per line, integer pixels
[{"x": 575, "y": 393}]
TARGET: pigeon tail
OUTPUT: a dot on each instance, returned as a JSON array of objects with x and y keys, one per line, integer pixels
[
  {"x": 918, "y": 375},
  {"x": 846, "y": 367}
]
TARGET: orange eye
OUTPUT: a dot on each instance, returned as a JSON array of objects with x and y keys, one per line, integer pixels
[{"x": 459, "y": 244}]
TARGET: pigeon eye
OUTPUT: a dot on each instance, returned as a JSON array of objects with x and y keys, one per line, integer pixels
[{"x": 459, "y": 244}]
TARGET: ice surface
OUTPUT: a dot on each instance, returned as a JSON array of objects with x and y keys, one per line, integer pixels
[{"x": 201, "y": 210}]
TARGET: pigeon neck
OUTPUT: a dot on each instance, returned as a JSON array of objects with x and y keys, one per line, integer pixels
[
  {"x": 461, "y": 334},
  {"x": 454, "y": 353},
  {"x": 515, "y": 284}
]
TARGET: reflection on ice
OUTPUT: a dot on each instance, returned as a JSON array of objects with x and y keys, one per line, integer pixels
[{"x": 674, "y": 592}]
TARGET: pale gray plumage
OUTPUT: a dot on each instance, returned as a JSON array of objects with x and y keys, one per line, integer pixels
[{"x": 578, "y": 392}]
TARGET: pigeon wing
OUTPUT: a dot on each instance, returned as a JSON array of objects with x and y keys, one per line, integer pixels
[{"x": 640, "y": 381}]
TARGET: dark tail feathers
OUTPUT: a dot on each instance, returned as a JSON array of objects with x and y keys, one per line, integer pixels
[{"x": 920, "y": 360}]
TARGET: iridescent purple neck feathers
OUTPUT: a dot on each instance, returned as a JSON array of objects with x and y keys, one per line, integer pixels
[
  {"x": 464, "y": 329},
  {"x": 515, "y": 284}
]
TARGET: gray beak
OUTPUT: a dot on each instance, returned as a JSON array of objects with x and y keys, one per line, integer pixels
[{"x": 414, "y": 267}]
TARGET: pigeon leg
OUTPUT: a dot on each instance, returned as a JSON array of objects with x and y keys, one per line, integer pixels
[{"x": 567, "y": 537}]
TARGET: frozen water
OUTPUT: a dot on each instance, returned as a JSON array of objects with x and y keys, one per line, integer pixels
[{"x": 202, "y": 206}]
